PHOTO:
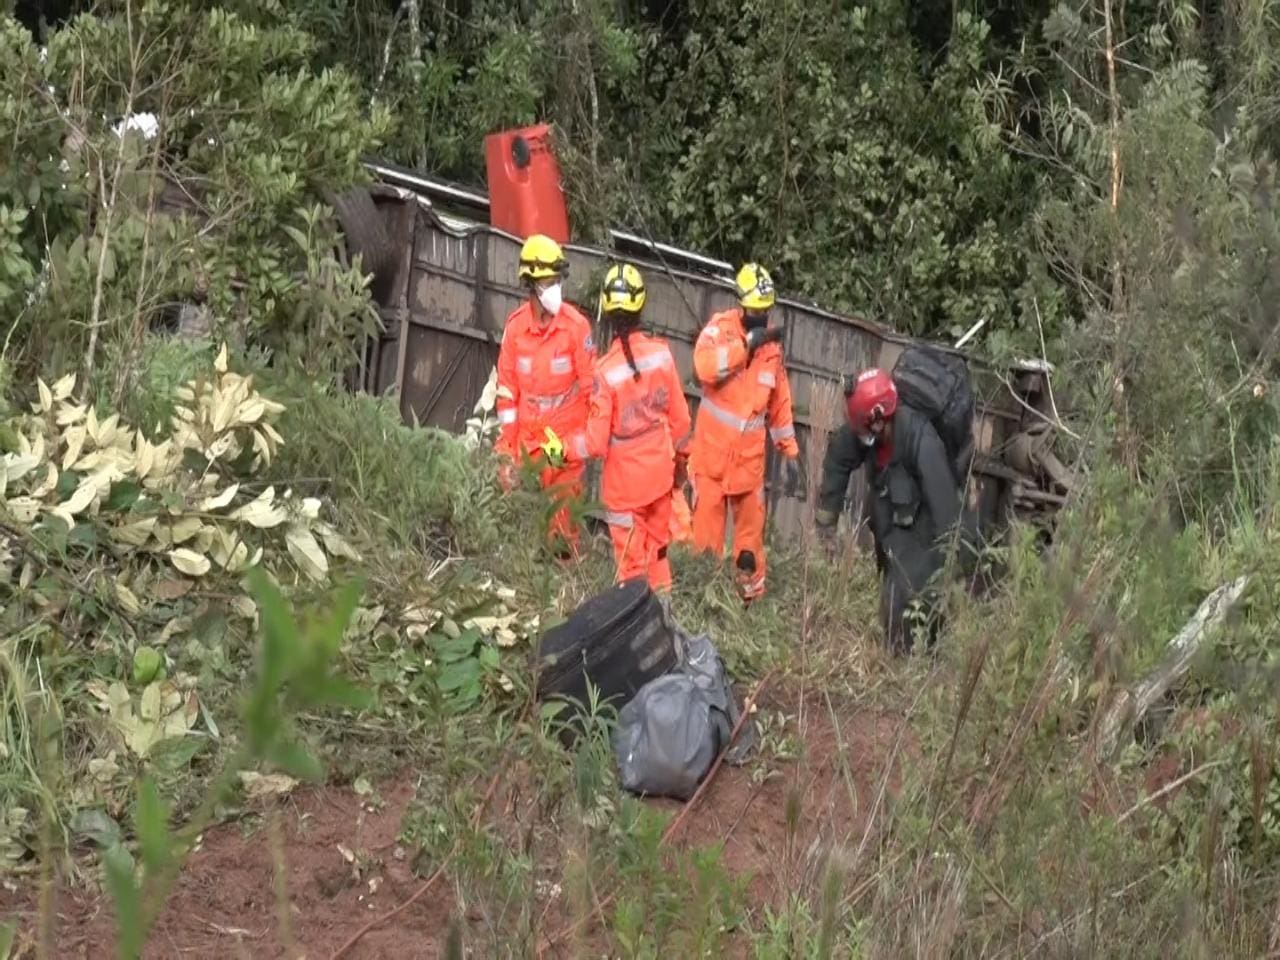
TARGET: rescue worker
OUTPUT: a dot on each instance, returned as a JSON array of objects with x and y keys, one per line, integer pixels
[
  {"x": 545, "y": 367},
  {"x": 739, "y": 362},
  {"x": 639, "y": 423},
  {"x": 913, "y": 500}
]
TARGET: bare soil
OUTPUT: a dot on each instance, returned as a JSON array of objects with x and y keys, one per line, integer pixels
[{"x": 344, "y": 865}]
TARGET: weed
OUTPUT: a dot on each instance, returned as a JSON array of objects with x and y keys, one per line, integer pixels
[
  {"x": 294, "y": 673},
  {"x": 412, "y": 488}
]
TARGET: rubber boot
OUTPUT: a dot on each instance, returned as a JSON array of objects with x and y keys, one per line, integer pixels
[{"x": 746, "y": 571}]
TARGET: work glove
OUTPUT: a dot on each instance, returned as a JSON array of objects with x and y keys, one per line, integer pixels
[
  {"x": 757, "y": 337},
  {"x": 552, "y": 449},
  {"x": 791, "y": 476}
]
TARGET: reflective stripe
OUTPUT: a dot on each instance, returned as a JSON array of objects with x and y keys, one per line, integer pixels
[
  {"x": 561, "y": 364},
  {"x": 550, "y": 402},
  {"x": 722, "y": 362},
  {"x": 623, "y": 372},
  {"x": 524, "y": 364},
  {"x": 782, "y": 433},
  {"x": 731, "y": 420},
  {"x": 580, "y": 446},
  {"x": 619, "y": 519},
  {"x": 506, "y": 416},
  {"x": 767, "y": 379},
  {"x": 618, "y": 375}
]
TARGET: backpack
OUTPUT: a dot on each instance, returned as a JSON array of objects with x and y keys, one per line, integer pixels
[{"x": 937, "y": 385}]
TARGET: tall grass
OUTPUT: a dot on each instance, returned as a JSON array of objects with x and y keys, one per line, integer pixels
[{"x": 416, "y": 487}]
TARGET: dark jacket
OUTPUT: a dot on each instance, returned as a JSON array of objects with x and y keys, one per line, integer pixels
[{"x": 912, "y": 502}]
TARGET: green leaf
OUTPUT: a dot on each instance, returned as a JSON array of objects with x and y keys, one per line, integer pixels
[
  {"x": 298, "y": 237},
  {"x": 68, "y": 480},
  {"x": 552, "y": 709},
  {"x": 294, "y": 759},
  {"x": 83, "y": 536},
  {"x": 450, "y": 651},
  {"x": 97, "y": 825},
  {"x": 174, "y": 754},
  {"x": 334, "y": 627},
  {"x": 124, "y": 494},
  {"x": 455, "y": 676},
  {"x": 8, "y": 931},
  {"x": 338, "y": 692},
  {"x": 124, "y": 895},
  {"x": 151, "y": 821},
  {"x": 278, "y": 657}
]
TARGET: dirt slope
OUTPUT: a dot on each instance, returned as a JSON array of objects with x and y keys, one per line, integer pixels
[{"x": 225, "y": 904}]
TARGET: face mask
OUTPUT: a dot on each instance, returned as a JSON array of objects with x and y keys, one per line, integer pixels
[
  {"x": 549, "y": 297},
  {"x": 754, "y": 321}
]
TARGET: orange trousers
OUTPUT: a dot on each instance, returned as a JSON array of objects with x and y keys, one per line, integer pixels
[
  {"x": 640, "y": 540},
  {"x": 710, "y": 507},
  {"x": 681, "y": 518},
  {"x": 563, "y": 484}
]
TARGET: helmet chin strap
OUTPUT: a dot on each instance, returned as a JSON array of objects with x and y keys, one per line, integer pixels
[{"x": 875, "y": 419}]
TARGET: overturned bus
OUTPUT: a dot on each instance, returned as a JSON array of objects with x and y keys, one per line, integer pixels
[{"x": 444, "y": 281}]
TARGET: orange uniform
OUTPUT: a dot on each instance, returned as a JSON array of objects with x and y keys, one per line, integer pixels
[
  {"x": 681, "y": 518},
  {"x": 639, "y": 422},
  {"x": 547, "y": 370},
  {"x": 742, "y": 395}
]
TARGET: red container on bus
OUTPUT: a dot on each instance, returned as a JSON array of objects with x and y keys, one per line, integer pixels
[{"x": 524, "y": 183}]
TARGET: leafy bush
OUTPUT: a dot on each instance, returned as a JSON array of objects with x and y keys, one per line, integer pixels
[{"x": 217, "y": 206}]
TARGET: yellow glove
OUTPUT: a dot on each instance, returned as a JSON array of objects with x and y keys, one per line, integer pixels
[{"x": 552, "y": 449}]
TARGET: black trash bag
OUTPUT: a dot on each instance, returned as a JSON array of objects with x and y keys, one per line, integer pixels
[{"x": 671, "y": 731}]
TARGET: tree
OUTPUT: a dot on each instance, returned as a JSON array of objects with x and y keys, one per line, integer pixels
[{"x": 191, "y": 204}]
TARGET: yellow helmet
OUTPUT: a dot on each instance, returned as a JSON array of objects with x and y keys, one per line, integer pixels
[
  {"x": 623, "y": 289},
  {"x": 755, "y": 287},
  {"x": 541, "y": 258}
]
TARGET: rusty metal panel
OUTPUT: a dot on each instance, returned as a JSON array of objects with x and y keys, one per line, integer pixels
[{"x": 443, "y": 377}]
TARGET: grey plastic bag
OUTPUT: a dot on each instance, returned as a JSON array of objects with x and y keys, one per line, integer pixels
[
  {"x": 671, "y": 731},
  {"x": 700, "y": 660}
]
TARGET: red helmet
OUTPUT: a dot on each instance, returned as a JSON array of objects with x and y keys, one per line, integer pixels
[{"x": 874, "y": 398}]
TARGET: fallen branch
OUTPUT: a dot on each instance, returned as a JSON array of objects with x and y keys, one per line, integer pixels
[
  {"x": 1167, "y": 789},
  {"x": 1130, "y": 706},
  {"x": 748, "y": 708}
]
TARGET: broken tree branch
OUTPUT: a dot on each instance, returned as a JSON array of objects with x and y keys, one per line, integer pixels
[{"x": 1131, "y": 705}]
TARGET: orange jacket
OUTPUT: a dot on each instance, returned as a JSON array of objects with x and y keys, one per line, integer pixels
[
  {"x": 547, "y": 371},
  {"x": 637, "y": 425},
  {"x": 740, "y": 397}
]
